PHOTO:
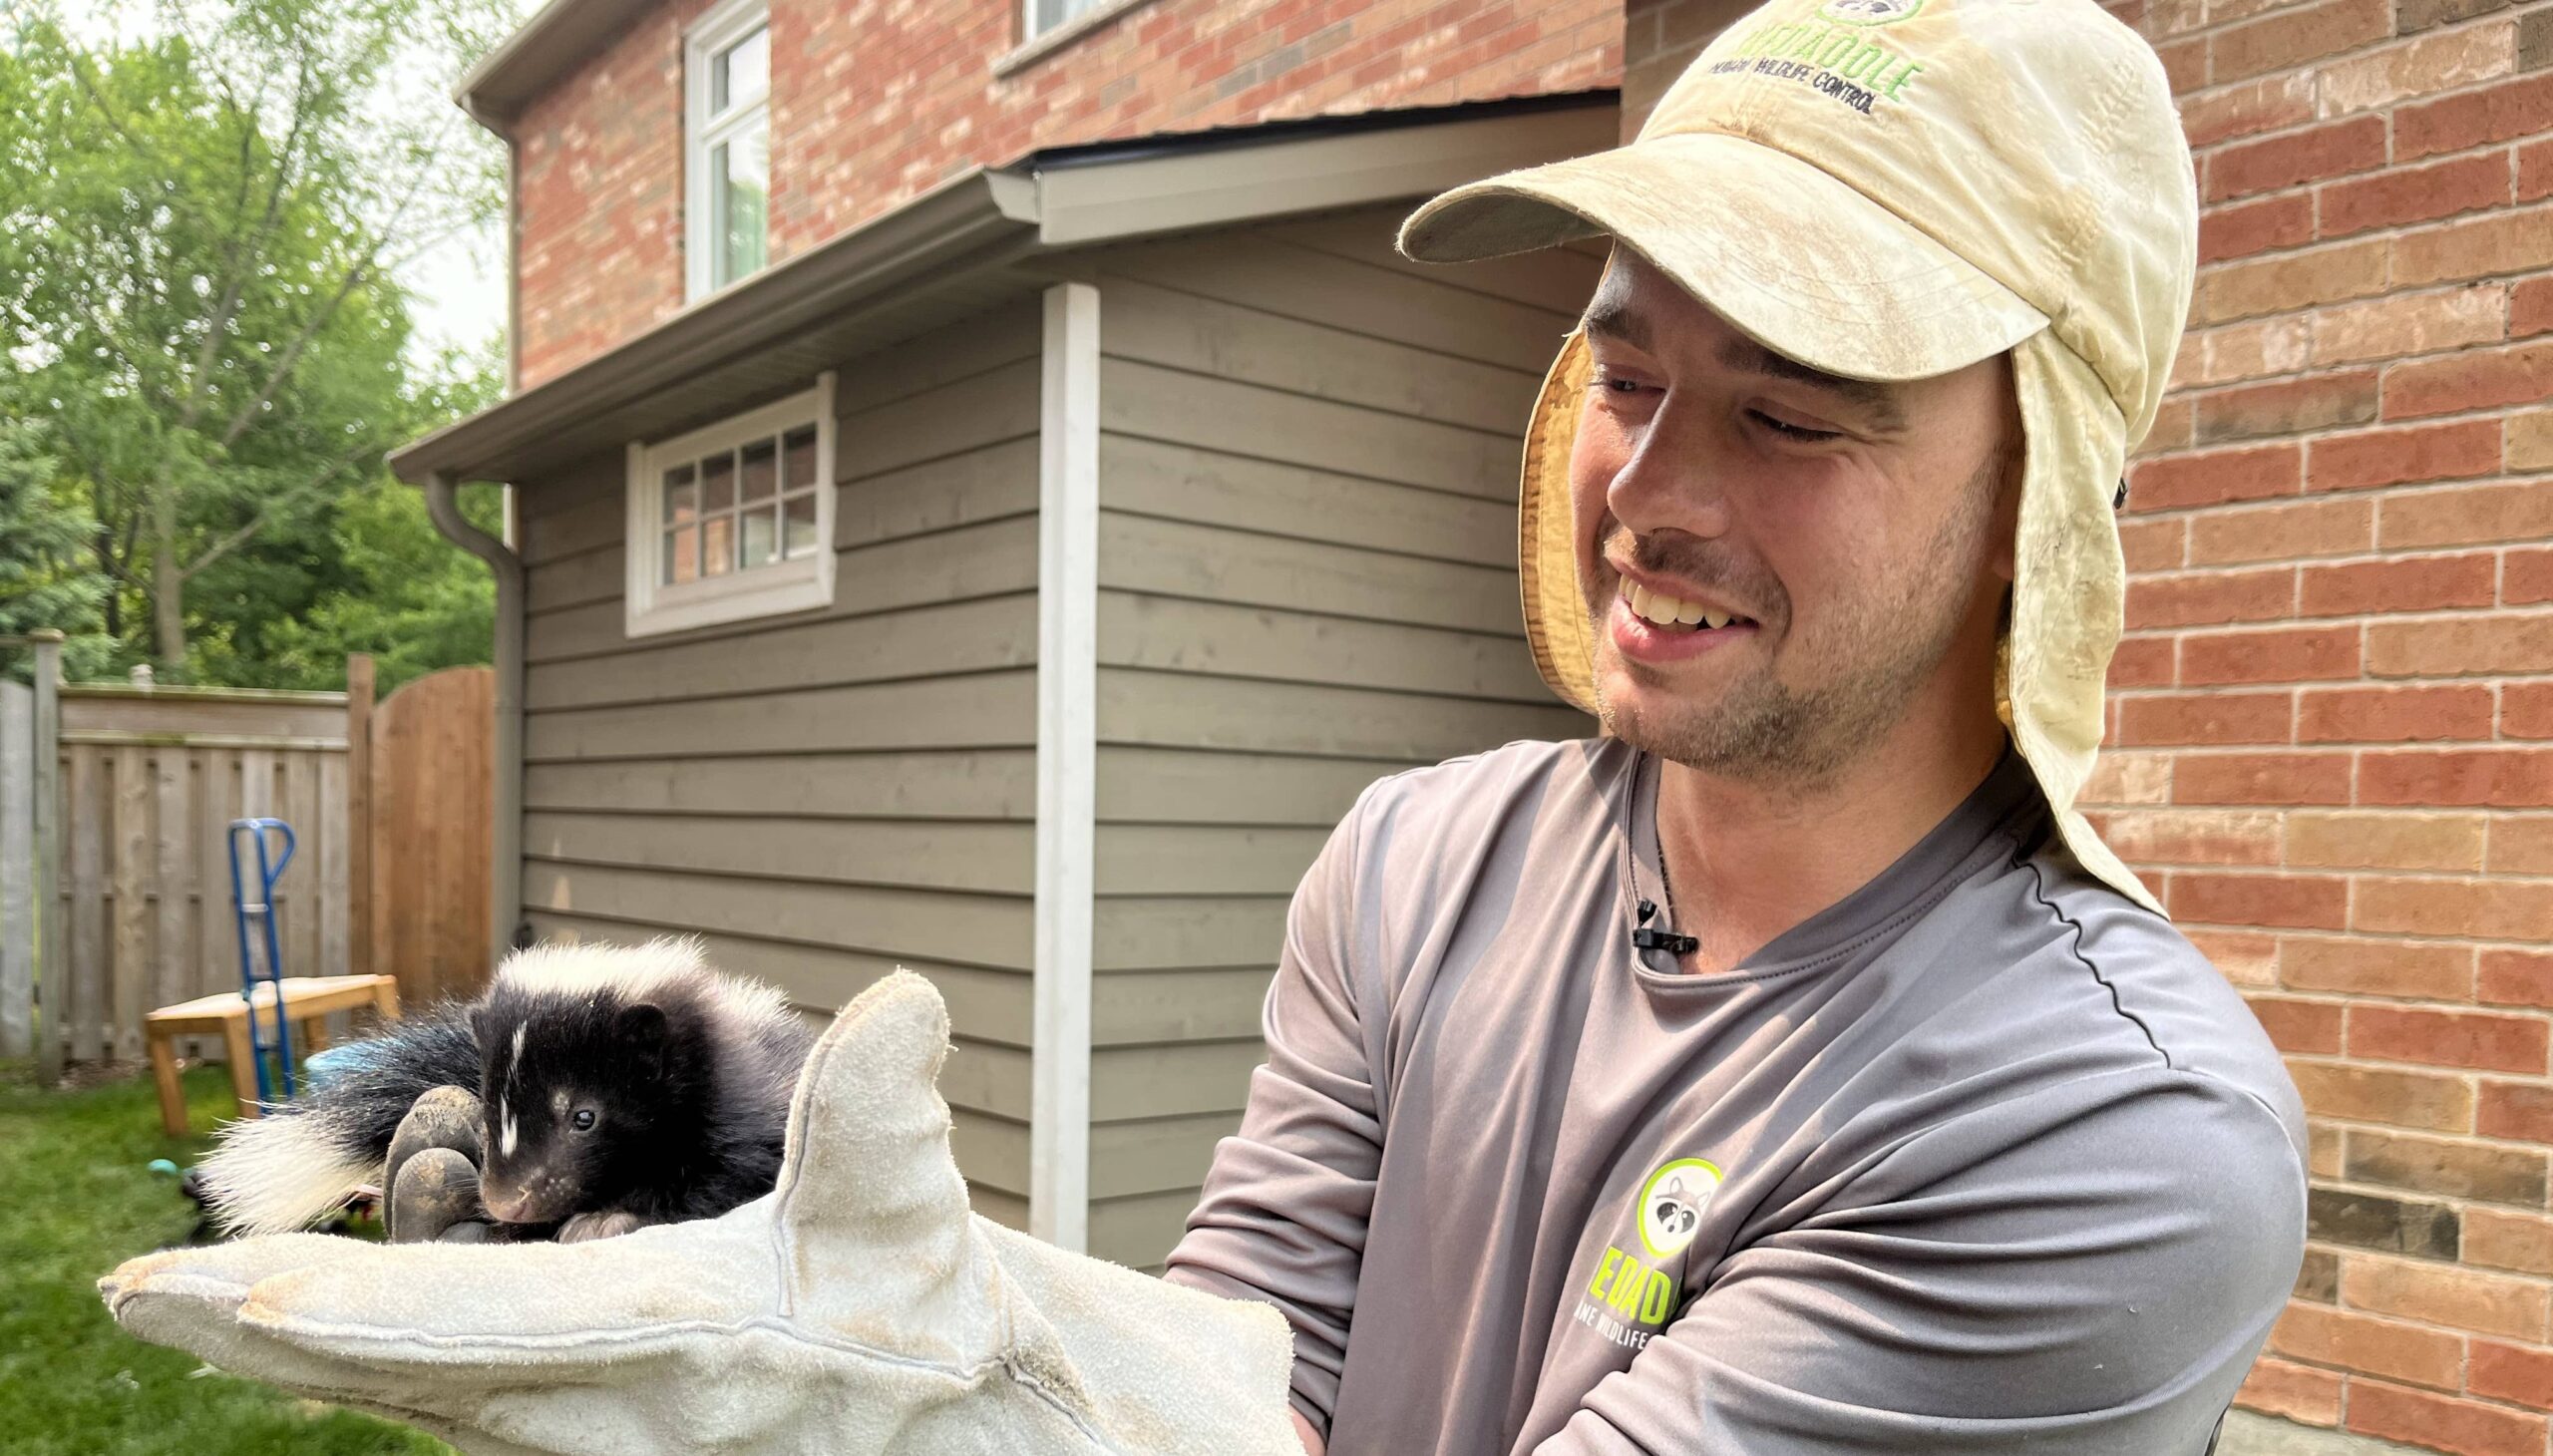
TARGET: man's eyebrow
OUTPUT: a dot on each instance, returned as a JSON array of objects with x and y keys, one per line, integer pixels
[
  {"x": 1609, "y": 314},
  {"x": 1878, "y": 400}
]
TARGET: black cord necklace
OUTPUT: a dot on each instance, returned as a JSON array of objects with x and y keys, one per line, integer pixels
[{"x": 1648, "y": 939}]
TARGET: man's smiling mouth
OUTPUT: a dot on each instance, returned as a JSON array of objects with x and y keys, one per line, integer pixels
[{"x": 1669, "y": 613}]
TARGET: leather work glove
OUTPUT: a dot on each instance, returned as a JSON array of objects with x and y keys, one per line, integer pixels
[{"x": 857, "y": 1308}]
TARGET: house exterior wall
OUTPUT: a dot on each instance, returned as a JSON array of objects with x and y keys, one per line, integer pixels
[
  {"x": 874, "y": 102},
  {"x": 2331, "y": 719},
  {"x": 825, "y": 796},
  {"x": 1306, "y": 580}
]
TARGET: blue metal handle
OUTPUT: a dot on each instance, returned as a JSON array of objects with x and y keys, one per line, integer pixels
[{"x": 263, "y": 910}]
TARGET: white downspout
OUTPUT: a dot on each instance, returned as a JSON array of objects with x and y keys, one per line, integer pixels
[{"x": 1067, "y": 763}]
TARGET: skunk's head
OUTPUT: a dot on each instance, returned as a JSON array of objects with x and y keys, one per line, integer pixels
[{"x": 586, "y": 1094}]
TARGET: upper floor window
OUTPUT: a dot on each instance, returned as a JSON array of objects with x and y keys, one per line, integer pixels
[
  {"x": 1045, "y": 15},
  {"x": 727, "y": 144},
  {"x": 733, "y": 520}
]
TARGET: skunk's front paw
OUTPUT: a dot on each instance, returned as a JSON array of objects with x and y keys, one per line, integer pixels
[
  {"x": 598, "y": 1226},
  {"x": 430, "y": 1180}
]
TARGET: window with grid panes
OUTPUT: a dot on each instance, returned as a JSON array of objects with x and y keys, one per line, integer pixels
[
  {"x": 733, "y": 519},
  {"x": 740, "y": 509}
]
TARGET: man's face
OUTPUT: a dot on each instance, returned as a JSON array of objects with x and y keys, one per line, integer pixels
[{"x": 1858, "y": 534}]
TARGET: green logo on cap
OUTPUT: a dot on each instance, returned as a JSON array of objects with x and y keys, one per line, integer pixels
[{"x": 1869, "y": 12}]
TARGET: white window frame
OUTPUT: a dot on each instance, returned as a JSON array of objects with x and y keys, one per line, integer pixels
[
  {"x": 653, "y": 607},
  {"x": 722, "y": 26},
  {"x": 1070, "y": 25}
]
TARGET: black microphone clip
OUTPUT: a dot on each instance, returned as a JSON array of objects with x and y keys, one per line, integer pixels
[{"x": 1645, "y": 938}]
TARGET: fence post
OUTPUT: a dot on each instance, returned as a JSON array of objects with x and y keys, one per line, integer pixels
[
  {"x": 17, "y": 870},
  {"x": 359, "y": 813},
  {"x": 51, "y": 975}
]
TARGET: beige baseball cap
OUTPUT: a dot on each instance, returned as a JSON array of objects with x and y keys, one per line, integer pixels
[{"x": 1894, "y": 190}]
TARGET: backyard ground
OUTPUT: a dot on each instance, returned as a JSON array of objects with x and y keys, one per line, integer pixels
[{"x": 76, "y": 1196}]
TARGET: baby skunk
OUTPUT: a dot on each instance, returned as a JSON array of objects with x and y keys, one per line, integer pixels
[{"x": 620, "y": 1086}]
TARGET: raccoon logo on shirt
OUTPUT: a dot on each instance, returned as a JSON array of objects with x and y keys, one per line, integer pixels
[{"x": 1632, "y": 1294}]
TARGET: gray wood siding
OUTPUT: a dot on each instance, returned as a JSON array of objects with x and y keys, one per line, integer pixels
[
  {"x": 825, "y": 796},
  {"x": 1307, "y": 476}
]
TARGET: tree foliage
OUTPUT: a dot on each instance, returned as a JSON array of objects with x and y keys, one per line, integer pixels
[
  {"x": 199, "y": 235},
  {"x": 45, "y": 580}
]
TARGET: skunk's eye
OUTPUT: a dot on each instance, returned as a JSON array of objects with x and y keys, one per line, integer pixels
[{"x": 583, "y": 1121}]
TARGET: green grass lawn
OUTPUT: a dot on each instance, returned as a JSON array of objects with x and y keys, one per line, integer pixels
[{"x": 77, "y": 1198}]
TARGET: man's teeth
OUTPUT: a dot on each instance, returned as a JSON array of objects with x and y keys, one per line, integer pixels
[{"x": 1667, "y": 611}]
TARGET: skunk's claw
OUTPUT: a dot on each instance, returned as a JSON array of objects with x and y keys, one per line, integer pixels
[{"x": 431, "y": 1178}]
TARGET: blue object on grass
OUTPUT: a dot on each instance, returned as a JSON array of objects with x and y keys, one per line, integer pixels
[
  {"x": 162, "y": 1165},
  {"x": 262, "y": 911}
]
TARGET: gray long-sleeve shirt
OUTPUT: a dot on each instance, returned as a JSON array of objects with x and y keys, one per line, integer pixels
[{"x": 1982, "y": 1158}]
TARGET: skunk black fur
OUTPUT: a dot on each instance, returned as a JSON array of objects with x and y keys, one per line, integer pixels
[{"x": 621, "y": 1085}]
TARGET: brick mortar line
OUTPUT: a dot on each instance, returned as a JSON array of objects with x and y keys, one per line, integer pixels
[
  {"x": 2213, "y": 29},
  {"x": 2330, "y": 871},
  {"x": 2499, "y": 413},
  {"x": 2464, "y": 1372},
  {"x": 2308, "y": 315},
  {"x": 2388, "y": 231},
  {"x": 2520, "y": 611},
  {"x": 2458, "y": 1204},
  {"x": 2317, "y": 997},
  {"x": 2391, "y": 163},
  {"x": 2371, "y": 934},
  {"x": 2391, "y": 233},
  {"x": 2428, "y": 553},
  {"x": 2364, "y": 1059},
  {"x": 2359, "y": 1124}
]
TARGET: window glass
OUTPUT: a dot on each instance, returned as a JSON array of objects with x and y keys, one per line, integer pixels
[
  {"x": 740, "y": 508},
  {"x": 760, "y": 469},
  {"x": 761, "y": 539},
  {"x": 739, "y": 201},
  {"x": 1052, "y": 13},
  {"x": 800, "y": 448},
  {"x": 741, "y": 72},
  {"x": 718, "y": 546},
  {"x": 802, "y": 523}
]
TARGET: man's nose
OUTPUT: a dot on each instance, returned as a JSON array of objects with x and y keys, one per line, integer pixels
[{"x": 1675, "y": 478}]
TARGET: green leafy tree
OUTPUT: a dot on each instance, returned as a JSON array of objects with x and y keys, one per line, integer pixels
[
  {"x": 397, "y": 589},
  {"x": 44, "y": 579},
  {"x": 198, "y": 280}
]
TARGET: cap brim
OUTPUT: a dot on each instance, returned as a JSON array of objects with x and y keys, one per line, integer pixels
[{"x": 1800, "y": 262}]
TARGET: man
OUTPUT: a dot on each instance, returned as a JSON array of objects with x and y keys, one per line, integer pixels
[{"x": 1791, "y": 1070}]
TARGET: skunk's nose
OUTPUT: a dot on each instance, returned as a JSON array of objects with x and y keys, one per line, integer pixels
[{"x": 507, "y": 1207}]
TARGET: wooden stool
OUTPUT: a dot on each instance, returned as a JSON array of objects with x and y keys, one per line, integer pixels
[{"x": 305, "y": 999}]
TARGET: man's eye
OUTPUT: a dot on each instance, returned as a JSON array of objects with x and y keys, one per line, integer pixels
[
  {"x": 1614, "y": 384},
  {"x": 1791, "y": 431},
  {"x": 583, "y": 1121}
]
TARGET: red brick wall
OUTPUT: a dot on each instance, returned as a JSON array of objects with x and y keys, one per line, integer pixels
[
  {"x": 873, "y": 103},
  {"x": 2334, "y": 714},
  {"x": 2332, "y": 721}
]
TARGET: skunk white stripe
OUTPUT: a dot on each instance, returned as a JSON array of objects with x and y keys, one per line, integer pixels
[{"x": 506, "y": 1134}]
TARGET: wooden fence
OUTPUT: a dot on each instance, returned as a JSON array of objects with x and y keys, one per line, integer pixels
[
  {"x": 150, "y": 780},
  {"x": 120, "y": 899},
  {"x": 431, "y": 763}
]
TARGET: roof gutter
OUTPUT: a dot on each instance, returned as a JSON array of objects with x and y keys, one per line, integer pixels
[
  {"x": 977, "y": 225},
  {"x": 974, "y": 217},
  {"x": 505, "y": 862}
]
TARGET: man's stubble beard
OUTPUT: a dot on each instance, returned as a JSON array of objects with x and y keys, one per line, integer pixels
[{"x": 1766, "y": 731}]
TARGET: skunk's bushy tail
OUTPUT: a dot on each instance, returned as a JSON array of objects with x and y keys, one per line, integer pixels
[{"x": 292, "y": 1167}]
